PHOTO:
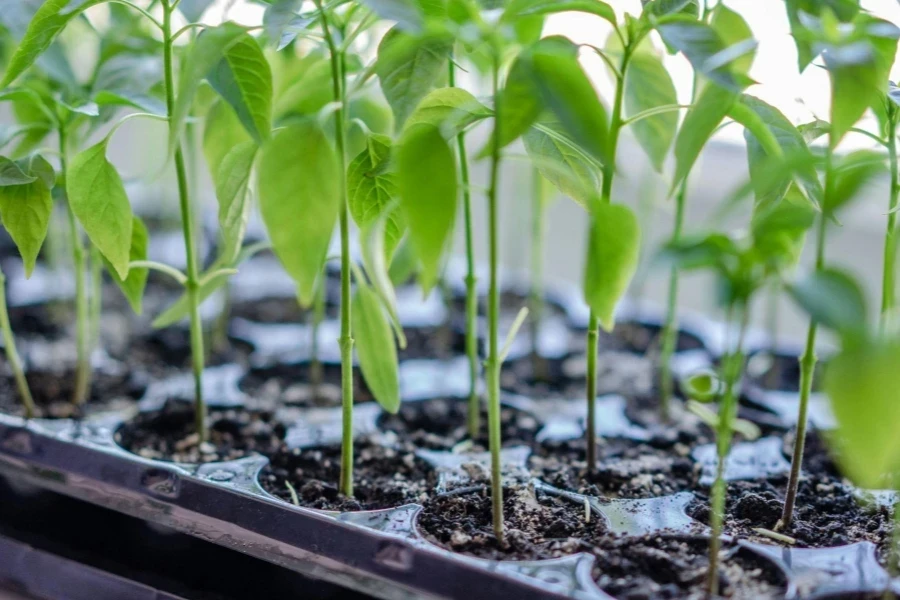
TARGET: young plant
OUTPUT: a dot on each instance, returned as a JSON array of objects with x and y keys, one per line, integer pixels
[
  {"x": 889, "y": 119},
  {"x": 859, "y": 80}
]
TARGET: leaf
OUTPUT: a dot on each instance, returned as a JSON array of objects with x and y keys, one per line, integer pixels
[
  {"x": 427, "y": 180},
  {"x": 299, "y": 199},
  {"x": 518, "y": 9},
  {"x": 128, "y": 80},
  {"x": 408, "y": 68},
  {"x": 733, "y": 30},
  {"x": 203, "y": 55},
  {"x": 97, "y": 197},
  {"x": 232, "y": 184},
  {"x": 705, "y": 50},
  {"x": 222, "y": 131},
  {"x": 12, "y": 174},
  {"x": 133, "y": 285},
  {"x": 832, "y": 298},
  {"x": 451, "y": 109},
  {"x": 699, "y": 251},
  {"x": 49, "y": 20},
  {"x": 852, "y": 173},
  {"x": 613, "y": 252},
  {"x": 699, "y": 124},
  {"x": 283, "y": 24},
  {"x": 372, "y": 188},
  {"x": 863, "y": 385},
  {"x": 243, "y": 78},
  {"x": 408, "y": 14},
  {"x": 566, "y": 90},
  {"x": 563, "y": 164},
  {"x": 193, "y": 9},
  {"x": 667, "y": 7},
  {"x": 25, "y": 211},
  {"x": 519, "y": 101},
  {"x": 375, "y": 348},
  {"x": 648, "y": 85}
]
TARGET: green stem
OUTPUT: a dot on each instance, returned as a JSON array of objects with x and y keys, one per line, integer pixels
[
  {"x": 732, "y": 367},
  {"x": 493, "y": 360},
  {"x": 315, "y": 365},
  {"x": 670, "y": 330},
  {"x": 192, "y": 282},
  {"x": 346, "y": 338},
  {"x": 12, "y": 356},
  {"x": 82, "y": 346},
  {"x": 474, "y": 412},
  {"x": 96, "y": 295},
  {"x": 593, "y": 334},
  {"x": 890, "y": 236},
  {"x": 807, "y": 370},
  {"x": 536, "y": 293}
]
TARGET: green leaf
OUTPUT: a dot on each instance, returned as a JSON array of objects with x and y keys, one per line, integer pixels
[
  {"x": 519, "y": 101},
  {"x": 133, "y": 285},
  {"x": 648, "y": 85},
  {"x": 193, "y": 9},
  {"x": 699, "y": 251},
  {"x": 563, "y": 164},
  {"x": 25, "y": 212},
  {"x": 408, "y": 68},
  {"x": 428, "y": 196},
  {"x": 832, "y": 298},
  {"x": 518, "y": 9},
  {"x": 372, "y": 188},
  {"x": 375, "y": 347},
  {"x": 243, "y": 78},
  {"x": 97, "y": 197},
  {"x": 47, "y": 23},
  {"x": 863, "y": 385},
  {"x": 613, "y": 252},
  {"x": 699, "y": 124},
  {"x": 844, "y": 10},
  {"x": 232, "y": 184},
  {"x": 852, "y": 173},
  {"x": 661, "y": 8},
  {"x": 299, "y": 198},
  {"x": 12, "y": 174},
  {"x": 407, "y": 13},
  {"x": 450, "y": 109},
  {"x": 306, "y": 91},
  {"x": 705, "y": 50},
  {"x": 222, "y": 131},
  {"x": 733, "y": 30},
  {"x": 566, "y": 90},
  {"x": 203, "y": 55}
]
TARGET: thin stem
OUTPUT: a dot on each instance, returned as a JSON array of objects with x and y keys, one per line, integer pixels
[
  {"x": 656, "y": 110},
  {"x": 12, "y": 355},
  {"x": 670, "y": 330},
  {"x": 187, "y": 28},
  {"x": 872, "y": 136},
  {"x": 96, "y": 303},
  {"x": 169, "y": 270},
  {"x": 593, "y": 334},
  {"x": 137, "y": 8},
  {"x": 493, "y": 360},
  {"x": 890, "y": 235},
  {"x": 346, "y": 339},
  {"x": 474, "y": 410},
  {"x": 536, "y": 293},
  {"x": 732, "y": 367},
  {"x": 83, "y": 361},
  {"x": 315, "y": 365},
  {"x": 192, "y": 279}
]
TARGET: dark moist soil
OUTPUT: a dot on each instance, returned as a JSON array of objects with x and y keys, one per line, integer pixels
[
  {"x": 440, "y": 424},
  {"x": 52, "y": 394},
  {"x": 384, "y": 476},
  {"x": 779, "y": 372},
  {"x": 47, "y": 320},
  {"x": 438, "y": 343},
  {"x": 160, "y": 351},
  {"x": 169, "y": 434},
  {"x": 279, "y": 310},
  {"x": 290, "y": 385}
]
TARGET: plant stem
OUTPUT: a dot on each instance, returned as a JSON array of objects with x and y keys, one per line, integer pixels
[
  {"x": 474, "y": 412},
  {"x": 192, "y": 282},
  {"x": 670, "y": 330},
  {"x": 731, "y": 371},
  {"x": 493, "y": 360},
  {"x": 315, "y": 365},
  {"x": 807, "y": 370},
  {"x": 82, "y": 346},
  {"x": 536, "y": 293},
  {"x": 12, "y": 356},
  {"x": 890, "y": 236},
  {"x": 346, "y": 339},
  {"x": 593, "y": 334},
  {"x": 96, "y": 295}
]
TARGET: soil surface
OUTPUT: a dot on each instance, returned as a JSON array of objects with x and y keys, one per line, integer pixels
[
  {"x": 52, "y": 394},
  {"x": 292, "y": 385}
]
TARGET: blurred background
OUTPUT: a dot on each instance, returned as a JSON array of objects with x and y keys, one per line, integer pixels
[{"x": 137, "y": 151}]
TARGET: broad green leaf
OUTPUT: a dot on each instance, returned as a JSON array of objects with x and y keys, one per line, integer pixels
[
  {"x": 306, "y": 88},
  {"x": 832, "y": 298},
  {"x": 648, "y": 85},
  {"x": 243, "y": 78},
  {"x": 408, "y": 68},
  {"x": 518, "y": 9},
  {"x": 49, "y": 20},
  {"x": 12, "y": 174},
  {"x": 566, "y": 90},
  {"x": 203, "y": 55},
  {"x": 699, "y": 251},
  {"x": 232, "y": 185},
  {"x": 844, "y": 10},
  {"x": 133, "y": 285},
  {"x": 97, "y": 197},
  {"x": 129, "y": 80},
  {"x": 519, "y": 101},
  {"x": 222, "y": 131},
  {"x": 375, "y": 347},
  {"x": 450, "y": 109},
  {"x": 613, "y": 251},
  {"x": 372, "y": 188},
  {"x": 299, "y": 198},
  {"x": 852, "y": 173},
  {"x": 193, "y": 9},
  {"x": 407, "y": 13},
  {"x": 427, "y": 180},
  {"x": 733, "y": 30},
  {"x": 779, "y": 228},
  {"x": 25, "y": 211},
  {"x": 699, "y": 124},
  {"x": 283, "y": 24},
  {"x": 661, "y": 8},
  {"x": 563, "y": 164},
  {"x": 863, "y": 385},
  {"x": 705, "y": 50}
]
